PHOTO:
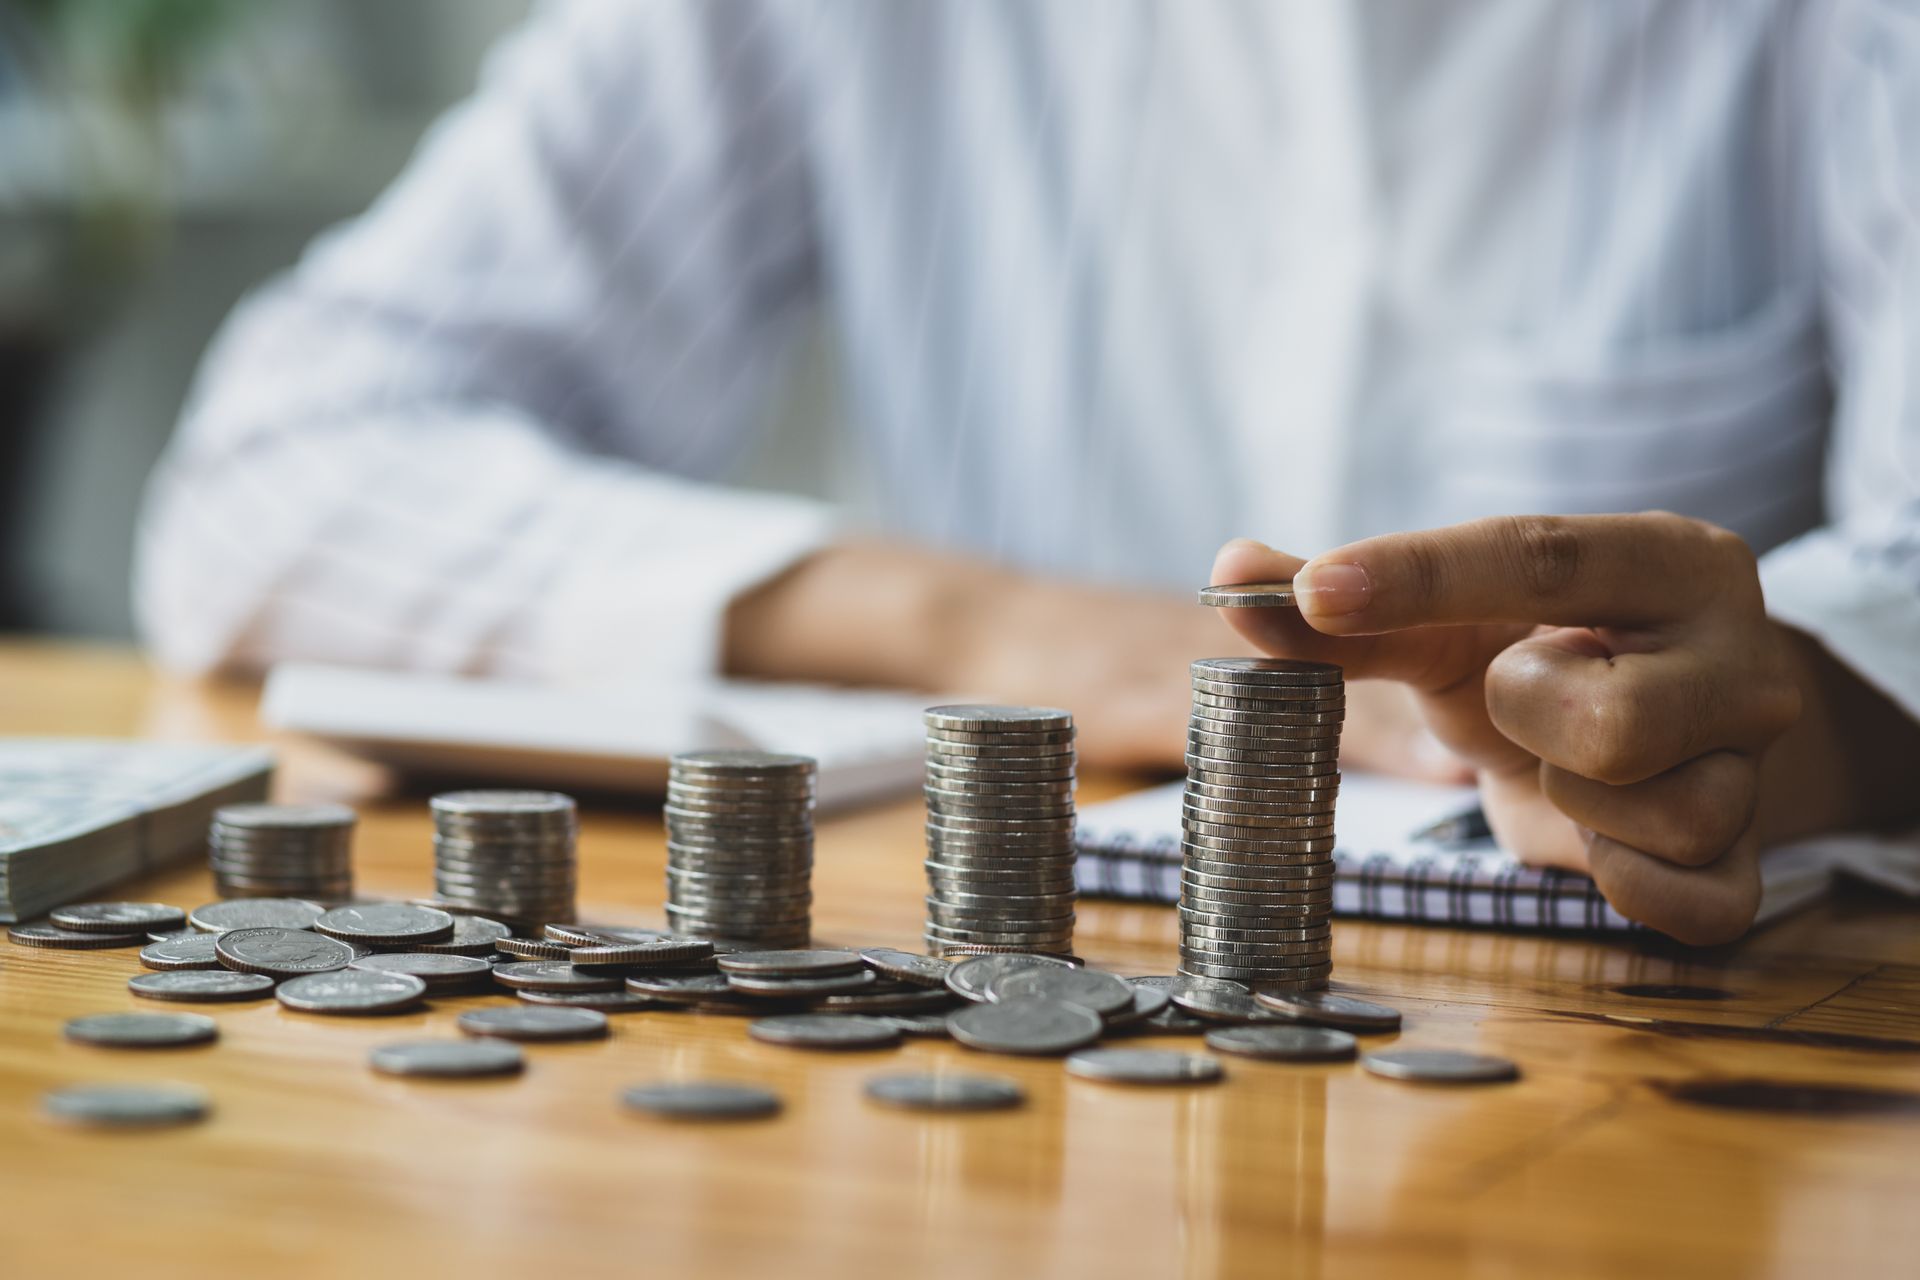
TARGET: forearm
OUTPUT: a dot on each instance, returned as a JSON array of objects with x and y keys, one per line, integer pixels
[{"x": 1852, "y": 761}]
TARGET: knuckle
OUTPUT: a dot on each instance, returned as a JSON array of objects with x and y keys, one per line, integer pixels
[
  {"x": 1616, "y": 742},
  {"x": 1545, "y": 552},
  {"x": 1425, "y": 570}
]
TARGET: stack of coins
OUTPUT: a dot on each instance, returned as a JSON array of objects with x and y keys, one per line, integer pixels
[
  {"x": 282, "y": 851},
  {"x": 506, "y": 854},
  {"x": 740, "y": 847},
  {"x": 999, "y": 829},
  {"x": 1256, "y": 886}
]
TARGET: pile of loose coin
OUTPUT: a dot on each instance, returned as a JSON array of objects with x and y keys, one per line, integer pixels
[
  {"x": 282, "y": 851},
  {"x": 740, "y": 846},
  {"x": 375, "y": 957},
  {"x": 1256, "y": 878},
  {"x": 1000, "y": 830},
  {"x": 508, "y": 855}
]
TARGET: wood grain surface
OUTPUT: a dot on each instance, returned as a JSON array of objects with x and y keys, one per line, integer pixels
[{"x": 1769, "y": 1130}]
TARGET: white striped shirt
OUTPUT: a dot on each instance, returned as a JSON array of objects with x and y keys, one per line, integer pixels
[{"x": 1115, "y": 279}]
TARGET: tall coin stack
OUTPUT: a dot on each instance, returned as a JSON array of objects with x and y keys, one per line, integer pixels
[
  {"x": 1000, "y": 829},
  {"x": 1256, "y": 882},
  {"x": 506, "y": 854},
  {"x": 282, "y": 851},
  {"x": 740, "y": 847}
]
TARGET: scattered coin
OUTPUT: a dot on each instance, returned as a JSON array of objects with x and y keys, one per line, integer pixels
[
  {"x": 142, "y": 1030},
  {"x": 702, "y": 1100},
  {"x": 448, "y": 1059},
  {"x": 1249, "y": 595},
  {"x": 211, "y": 985},
  {"x": 1030, "y": 1025},
  {"x": 256, "y": 913},
  {"x": 281, "y": 952},
  {"x": 472, "y": 936},
  {"x": 945, "y": 1093},
  {"x": 1101, "y": 992},
  {"x": 1143, "y": 1066},
  {"x": 352, "y": 991},
  {"x": 1148, "y": 1001},
  {"x": 184, "y": 951},
  {"x": 533, "y": 948},
  {"x": 1284, "y": 1043},
  {"x": 551, "y": 975},
  {"x": 791, "y": 964},
  {"x": 1325, "y": 1009},
  {"x": 386, "y": 924},
  {"x": 599, "y": 935},
  {"x": 970, "y": 978},
  {"x": 126, "y": 1106},
  {"x": 824, "y": 1031},
  {"x": 534, "y": 1022},
  {"x": 1440, "y": 1066},
  {"x": 441, "y": 973},
  {"x": 118, "y": 917},
  {"x": 916, "y": 1025},
  {"x": 53, "y": 936},
  {"x": 1220, "y": 1005},
  {"x": 680, "y": 988},
  {"x": 890, "y": 997},
  {"x": 656, "y": 952},
  {"x": 832, "y": 984},
  {"x": 604, "y": 1001}
]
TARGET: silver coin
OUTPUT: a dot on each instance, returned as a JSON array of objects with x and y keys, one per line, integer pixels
[
  {"x": 532, "y": 949},
  {"x": 1148, "y": 1000},
  {"x": 917, "y": 1025},
  {"x": 1217, "y": 1004},
  {"x": 791, "y": 963},
  {"x": 1144, "y": 1066},
  {"x": 1278, "y": 979},
  {"x": 702, "y": 1100},
  {"x": 730, "y": 763},
  {"x": 386, "y": 923},
  {"x": 209, "y": 985},
  {"x": 472, "y": 936},
  {"x": 551, "y": 975},
  {"x": 281, "y": 952},
  {"x": 824, "y": 1031},
  {"x": 53, "y": 936},
  {"x": 485, "y": 804},
  {"x": 604, "y": 1001},
  {"x": 1032, "y": 1025},
  {"x": 448, "y": 1059},
  {"x": 970, "y": 979},
  {"x": 142, "y": 1030},
  {"x": 1284, "y": 1043},
  {"x": 126, "y": 1106},
  {"x": 680, "y": 988},
  {"x": 781, "y": 985},
  {"x": 351, "y": 991},
  {"x": 1249, "y": 595},
  {"x": 1325, "y": 1009},
  {"x": 1268, "y": 670},
  {"x": 192, "y": 951},
  {"x": 1103, "y": 993},
  {"x": 256, "y": 913},
  {"x": 976, "y": 717},
  {"x": 279, "y": 817},
  {"x": 118, "y": 917},
  {"x": 893, "y": 997},
  {"x": 945, "y": 1093},
  {"x": 1440, "y": 1066},
  {"x": 597, "y": 935},
  {"x": 907, "y": 966},
  {"x": 527, "y": 1022},
  {"x": 439, "y": 972},
  {"x": 1252, "y": 876},
  {"x": 659, "y": 953}
]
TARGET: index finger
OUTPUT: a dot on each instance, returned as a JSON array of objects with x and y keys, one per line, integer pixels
[{"x": 1575, "y": 571}]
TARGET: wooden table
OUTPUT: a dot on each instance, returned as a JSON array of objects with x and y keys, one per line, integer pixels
[{"x": 1608, "y": 1157}]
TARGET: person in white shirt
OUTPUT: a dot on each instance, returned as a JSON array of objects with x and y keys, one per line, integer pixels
[{"x": 1115, "y": 281}]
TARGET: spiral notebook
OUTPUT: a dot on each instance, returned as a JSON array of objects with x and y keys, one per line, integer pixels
[{"x": 1419, "y": 851}]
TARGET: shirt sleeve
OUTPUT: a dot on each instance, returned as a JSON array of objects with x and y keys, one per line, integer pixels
[
  {"x": 476, "y": 429},
  {"x": 1855, "y": 583}
]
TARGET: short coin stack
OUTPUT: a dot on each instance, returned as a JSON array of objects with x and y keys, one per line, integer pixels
[
  {"x": 282, "y": 851},
  {"x": 506, "y": 854},
  {"x": 1000, "y": 829},
  {"x": 740, "y": 847},
  {"x": 1256, "y": 888}
]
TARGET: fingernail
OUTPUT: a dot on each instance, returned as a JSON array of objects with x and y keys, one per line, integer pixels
[{"x": 1332, "y": 590}]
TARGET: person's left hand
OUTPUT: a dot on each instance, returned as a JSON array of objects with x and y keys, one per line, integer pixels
[{"x": 1615, "y": 680}]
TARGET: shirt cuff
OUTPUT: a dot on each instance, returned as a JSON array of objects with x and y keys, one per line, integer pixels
[
  {"x": 650, "y": 599},
  {"x": 1865, "y": 614}
]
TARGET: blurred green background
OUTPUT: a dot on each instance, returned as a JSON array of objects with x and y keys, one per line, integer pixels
[{"x": 158, "y": 158}]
